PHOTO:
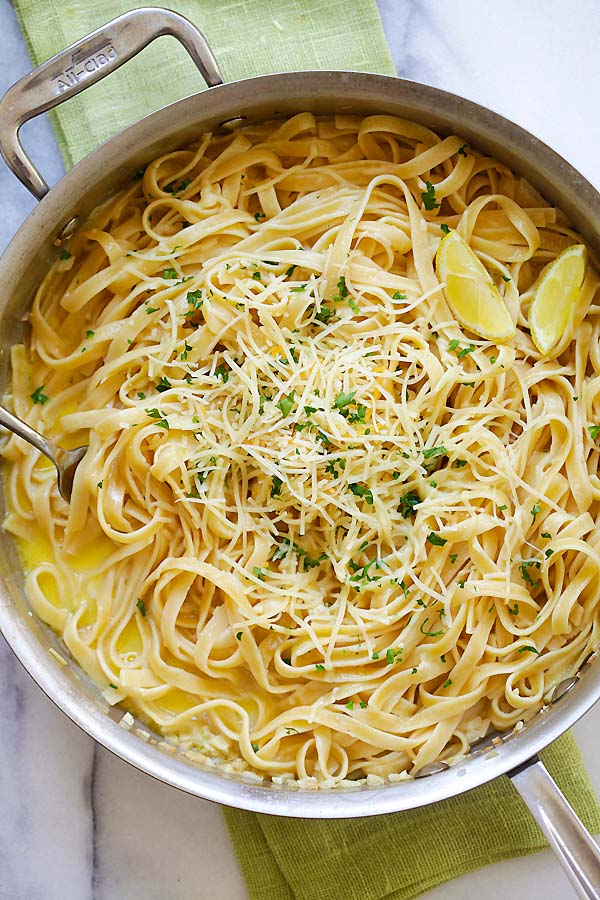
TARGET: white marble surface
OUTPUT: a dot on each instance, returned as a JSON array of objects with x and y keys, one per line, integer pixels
[{"x": 78, "y": 824}]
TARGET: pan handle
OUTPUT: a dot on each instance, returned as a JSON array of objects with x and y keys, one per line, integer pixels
[
  {"x": 575, "y": 847},
  {"x": 83, "y": 64}
]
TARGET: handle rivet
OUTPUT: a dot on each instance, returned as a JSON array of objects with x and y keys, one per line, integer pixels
[
  {"x": 233, "y": 123},
  {"x": 432, "y": 769},
  {"x": 67, "y": 231},
  {"x": 563, "y": 688}
]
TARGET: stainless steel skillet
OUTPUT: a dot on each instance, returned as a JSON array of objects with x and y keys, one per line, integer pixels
[{"x": 33, "y": 249}]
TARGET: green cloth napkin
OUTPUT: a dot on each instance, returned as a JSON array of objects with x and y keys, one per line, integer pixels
[
  {"x": 401, "y": 855},
  {"x": 393, "y": 856},
  {"x": 248, "y": 37}
]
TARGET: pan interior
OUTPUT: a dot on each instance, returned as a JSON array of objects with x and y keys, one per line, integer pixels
[{"x": 23, "y": 266}]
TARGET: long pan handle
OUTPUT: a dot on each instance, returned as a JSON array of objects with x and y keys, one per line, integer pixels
[
  {"x": 83, "y": 64},
  {"x": 575, "y": 847}
]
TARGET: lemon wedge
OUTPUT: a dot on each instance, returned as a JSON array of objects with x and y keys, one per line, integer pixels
[
  {"x": 470, "y": 292},
  {"x": 555, "y": 296}
]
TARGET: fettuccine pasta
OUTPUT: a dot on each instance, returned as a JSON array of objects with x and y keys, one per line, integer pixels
[{"x": 321, "y": 531}]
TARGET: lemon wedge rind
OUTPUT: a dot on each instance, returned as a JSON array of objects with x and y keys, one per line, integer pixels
[
  {"x": 555, "y": 296},
  {"x": 471, "y": 294}
]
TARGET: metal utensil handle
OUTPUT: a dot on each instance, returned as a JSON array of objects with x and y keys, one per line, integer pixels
[
  {"x": 83, "y": 64},
  {"x": 576, "y": 849},
  {"x": 25, "y": 431}
]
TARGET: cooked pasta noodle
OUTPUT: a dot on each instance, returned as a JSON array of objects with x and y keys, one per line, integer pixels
[{"x": 320, "y": 532}]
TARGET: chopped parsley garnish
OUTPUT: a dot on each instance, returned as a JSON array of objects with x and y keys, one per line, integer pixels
[
  {"x": 90, "y": 334},
  {"x": 407, "y": 504},
  {"x": 459, "y": 463},
  {"x": 455, "y": 345},
  {"x": 300, "y": 287},
  {"x": 398, "y": 295},
  {"x": 361, "y": 576},
  {"x": 286, "y": 404},
  {"x": 260, "y": 573},
  {"x": 282, "y": 550},
  {"x": 100, "y": 485},
  {"x": 514, "y": 610},
  {"x": 360, "y": 489},
  {"x": 548, "y": 553},
  {"x": 429, "y": 197},
  {"x": 222, "y": 372},
  {"x": 238, "y": 636},
  {"x": 38, "y": 396},
  {"x": 529, "y": 649},
  {"x": 375, "y": 654},
  {"x": 330, "y": 466},
  {"x": 363, "y": 704},
  {"x": 141, "y": 606},
  {"x": 535, "y": 510},
  {"x": 289, "y": 272},
  {"x": 276, "y": 484},
  {"x": 503, "y": 507},
  {"x": 343, "y": 400},
  {"x": 113, "y": 686},
  {"x": 323, "y": 438},
  {"x": 64, "y": 254},
  {"x": 325, "y": 314},
  {"x": 254, "y": 747},
  {"x": 257, "y": 276},
  {"x": 525, "y": 573},
  {"x": 342, "y": 291},
  {"x": 393, "y": 655},
  {"x": 447, "y": 683},
  {"x": 434, "y": 538},
  {"x": 505, "y": 277},
  {"x": 594, "y": 431},
  {"x": 156, "y": 414},
  {"x": 170, "y": 274},
  {"x": 319, "y": 667},
  {"x": 462, "y": 150},
  {"x": 453, "y": 558},
  {"x": 151, "y": 309},
  {"x": 353, "y": 305},
  {"x": 429, "y": 633},
  {"x": 445, "y": 229},
  {"x": 358, "y": 417},
  {"x": 350, "y": 704},
  {"x": 171, "y": 189},
  {"x": 163, "y": 385},
  {"x": 430, "y": 452},
  {"x": 184, "y": 354},
  {"x": 258, "y": 216},
  {"x": 308, "y": 561},
  {"x": 545, "y": 534},
  {"x": 194, "y": 299}
]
